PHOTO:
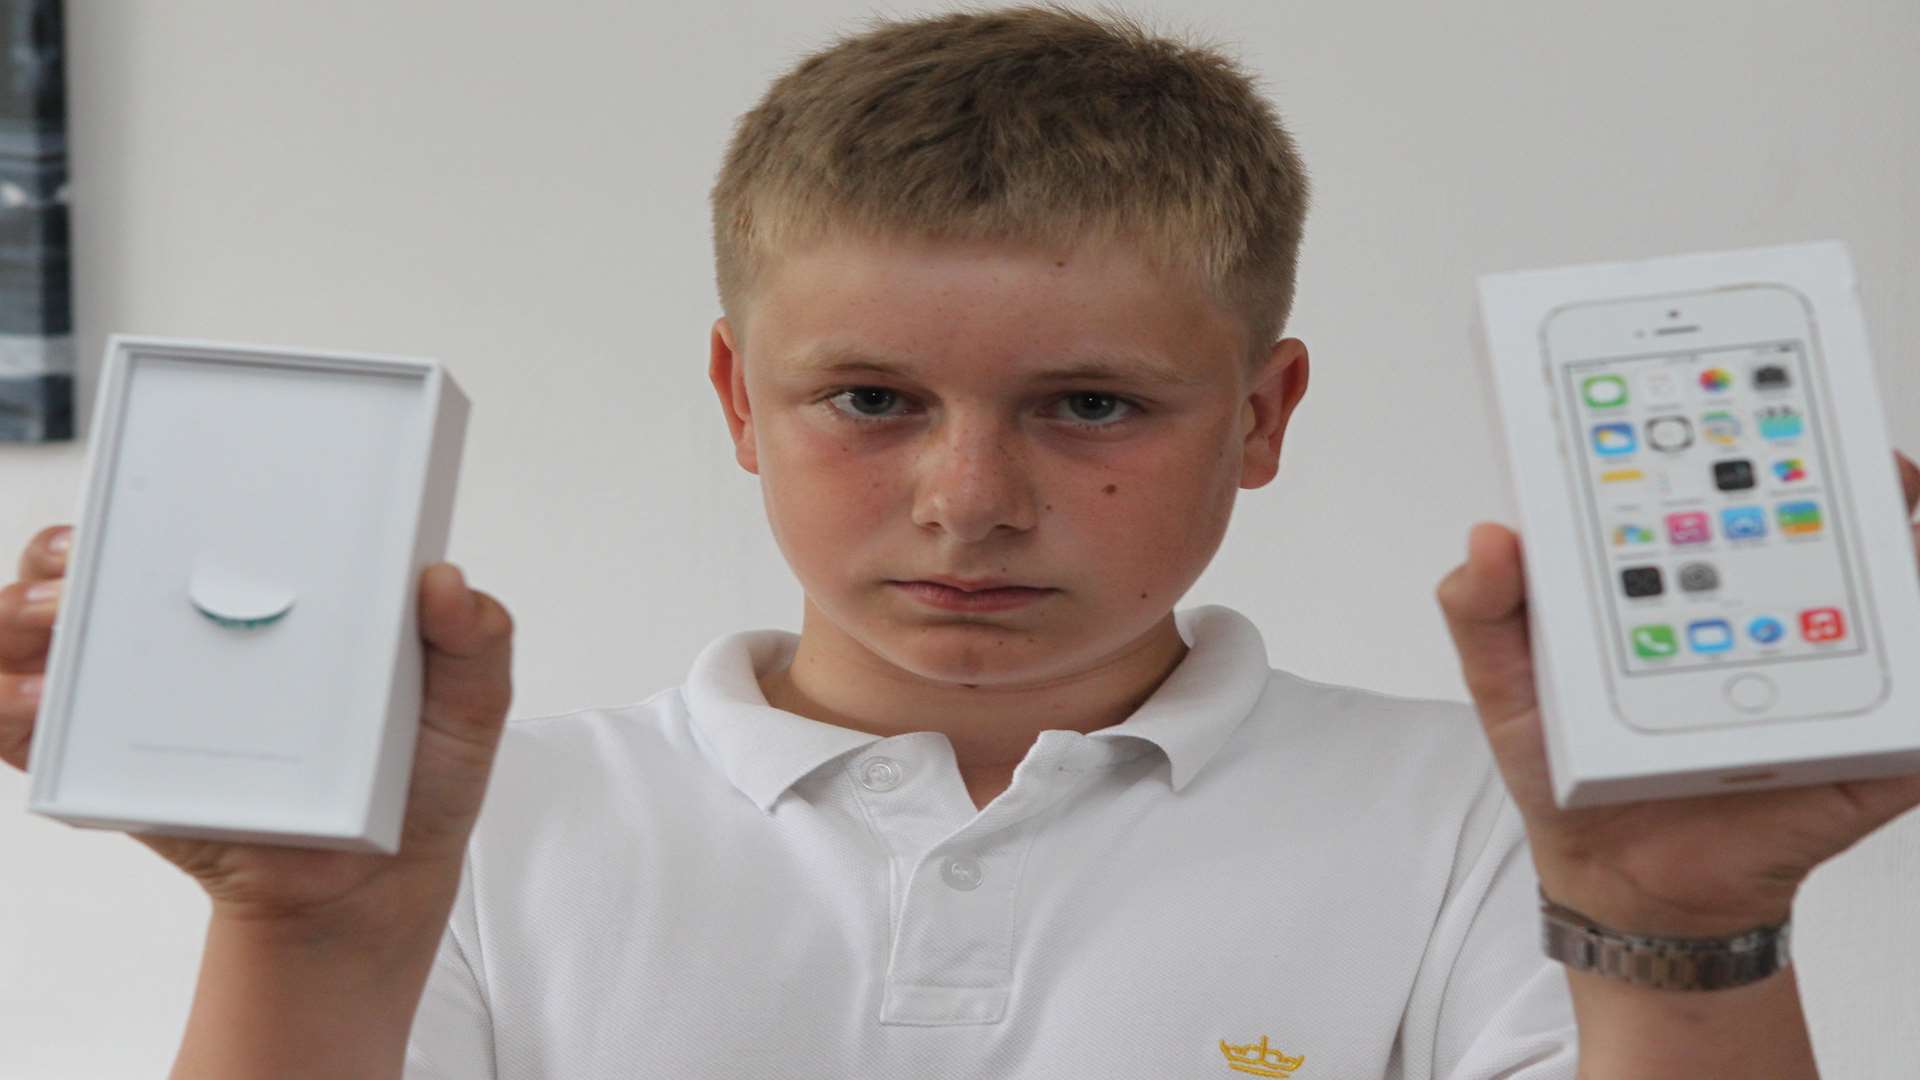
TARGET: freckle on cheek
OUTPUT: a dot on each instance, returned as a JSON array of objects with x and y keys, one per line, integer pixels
[{"x": 1111, "y": 488}]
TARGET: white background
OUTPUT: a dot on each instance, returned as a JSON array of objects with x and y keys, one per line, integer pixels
[{"x": 520, "y": 190}]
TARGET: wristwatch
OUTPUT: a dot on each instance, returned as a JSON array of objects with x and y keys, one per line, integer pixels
[{"x": 1665, "y": 963}]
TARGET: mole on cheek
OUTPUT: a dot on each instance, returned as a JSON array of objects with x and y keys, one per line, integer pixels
[{"x": 1111, "y": 488}]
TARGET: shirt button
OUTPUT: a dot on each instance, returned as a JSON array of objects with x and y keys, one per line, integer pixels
[
  {"x": 962, "y": 872},
  {"x": 880, "y": 774}
]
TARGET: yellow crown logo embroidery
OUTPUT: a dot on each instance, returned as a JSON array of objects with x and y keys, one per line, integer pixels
[{"x": 1260, "y": 1059}]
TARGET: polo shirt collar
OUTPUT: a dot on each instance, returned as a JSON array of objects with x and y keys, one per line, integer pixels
[{"x": 763, "y": 750}]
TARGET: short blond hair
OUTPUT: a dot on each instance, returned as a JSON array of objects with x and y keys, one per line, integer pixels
[{"x": 1035, "y": 124}]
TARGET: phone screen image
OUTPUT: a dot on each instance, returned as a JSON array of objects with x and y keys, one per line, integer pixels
[{"x": 1711, "y": 505}]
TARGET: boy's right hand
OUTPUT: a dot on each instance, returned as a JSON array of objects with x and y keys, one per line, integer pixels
[{"x": 467, "y": 636}]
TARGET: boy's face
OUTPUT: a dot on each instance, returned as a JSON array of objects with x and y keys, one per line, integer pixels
[{"x": 1110, "y": 492}]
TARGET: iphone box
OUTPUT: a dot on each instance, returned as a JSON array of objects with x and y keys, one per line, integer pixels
[
  {"x": 1722, "y": 591},
  {"x": 237, "y": 653}
]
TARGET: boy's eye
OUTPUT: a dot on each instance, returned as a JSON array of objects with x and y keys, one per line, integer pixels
[{"x": 1089, "y": 409}]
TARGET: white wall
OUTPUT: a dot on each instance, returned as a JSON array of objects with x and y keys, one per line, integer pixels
[{"x": 519, "y": 189}]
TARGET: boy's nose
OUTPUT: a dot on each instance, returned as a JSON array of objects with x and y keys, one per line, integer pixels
[{"x": 972, "y": 478}]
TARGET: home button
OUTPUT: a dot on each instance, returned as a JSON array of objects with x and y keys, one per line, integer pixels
[{"x": 1751, "y": 693}]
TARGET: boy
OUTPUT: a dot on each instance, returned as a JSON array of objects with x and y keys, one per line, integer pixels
[{"x": 1002, "y": 291}]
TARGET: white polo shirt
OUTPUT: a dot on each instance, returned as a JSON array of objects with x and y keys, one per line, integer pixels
[{"x": 1254, "y": 874}]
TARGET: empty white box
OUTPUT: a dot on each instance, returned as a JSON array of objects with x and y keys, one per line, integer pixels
[
  {"x": 237, "y": 654},
  {"x": 1581, "y": 658}
]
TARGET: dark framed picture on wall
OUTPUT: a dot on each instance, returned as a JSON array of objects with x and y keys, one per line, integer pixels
[{"x": 36, "y": 298}]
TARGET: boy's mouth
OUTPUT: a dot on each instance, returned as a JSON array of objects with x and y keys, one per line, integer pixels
[
  {"x": 972, "y": 585},
  {"x": 940, "y": 595}
]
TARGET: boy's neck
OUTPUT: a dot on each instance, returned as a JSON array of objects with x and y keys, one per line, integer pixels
[{"x": 836, "y": 680}]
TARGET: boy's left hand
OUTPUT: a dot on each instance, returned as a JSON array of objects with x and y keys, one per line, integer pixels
[{"x": 1703, "y": 865}]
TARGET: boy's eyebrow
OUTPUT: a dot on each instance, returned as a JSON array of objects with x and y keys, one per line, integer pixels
[{"x": 1118, "y": 367}]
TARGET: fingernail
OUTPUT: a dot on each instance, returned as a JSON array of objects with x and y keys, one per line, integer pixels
[
  {"x": 46, "y": 590},
  {"x": 61, "y": 543},
  {"x": 30, "y": 687}
]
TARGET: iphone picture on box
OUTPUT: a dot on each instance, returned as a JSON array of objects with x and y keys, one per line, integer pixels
[{"x": 1718, "y": 540}]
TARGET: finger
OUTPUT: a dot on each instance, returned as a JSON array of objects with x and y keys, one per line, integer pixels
[
  {"x": 1484, "y": 602},
  {"x": 1881, "y": 800},
  {"x": 1909, "y": 480},
  {"x": 468, "y": 638},
  {"x": 19, "y": 707},
  {"x": 45, "y": 555},
  {"x": 26, "y": 624}
]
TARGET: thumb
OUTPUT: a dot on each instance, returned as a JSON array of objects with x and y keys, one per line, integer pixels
[
  {"x": 468, "y": 639},
  {"x": 1484, "y": 601}
]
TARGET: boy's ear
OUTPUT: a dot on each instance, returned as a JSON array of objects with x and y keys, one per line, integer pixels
[
  {"x": 727, "y": 372},
  {"x": 1277, "y": 389}
]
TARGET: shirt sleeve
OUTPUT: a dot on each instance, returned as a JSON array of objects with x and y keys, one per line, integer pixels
[
  {"x": 1487, "y": 1004},
  {"x": 452, "y": 1036}
]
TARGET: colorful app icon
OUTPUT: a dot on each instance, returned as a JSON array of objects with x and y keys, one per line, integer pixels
[
  {"x": 1734, "y": 474},
  {"x": 1715, "y": 380},
  {"x": 1771, "y": 377},
  {"x": 1822, "y": 624},
  {"x": 1799, "y": 518},
  {"x": 1654, "y": 641},
  {"x": 1688, "y": 527},
  {"x": 1660, "y": 386},
  {"x": 1789, "y": 470},
  {"x": 1780, "y": 422},
  {"x": 1720, "y": 426},
  {"x": 1766, "y": 630},
  {"x": 1631, "y": 534},
  {"x": 1671, "y": 434},
  {"x": 1709, "y": 635},
  {"x": 1638, "y": 581},
  {"x": 1613, "y": 440},
  {"x": 1699, "y": 577},
  {"x": 1743, "y": 522},
  {"x": 1604, "y": 391}
]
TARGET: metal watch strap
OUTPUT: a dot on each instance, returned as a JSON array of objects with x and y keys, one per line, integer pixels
[{"x": 1666, "y": 963}]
